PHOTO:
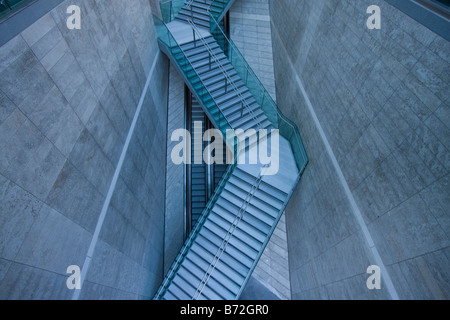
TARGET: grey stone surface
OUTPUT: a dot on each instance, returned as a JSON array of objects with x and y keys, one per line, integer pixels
[
  {"x": 24, "y": 282},
  {"x": 424, "y": 277},
  {"x": 92, "y": 162},
  {"x": 175, "y": 179},
  {"x": 50, "y": 245},
  {"x": 250, "y": 31},
  {"x": 381, "y": 97},
  {"x": 4, "y": 266},
  {"x": 68, "y": 98},
  {"x": 255, "y": 290},
  {"x": 94, "y": 291},
  {"x": 28, "y": 157},
  {"x": 76, "y": 198},
  {"x": 105, "y": 134},
  {"x": 354, "y": 288},
  {"x": 23, "y": 209},
  {"x": 410, "y": 230},
  {"x": 114, "y": 269}
]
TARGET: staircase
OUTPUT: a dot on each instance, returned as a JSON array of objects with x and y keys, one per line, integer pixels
[
  {"x": 234, "y": 228},
  {"x": 204, "y": 178},
  {"x": 198, "y": 11},
  {"x": 229, "y": 93}
]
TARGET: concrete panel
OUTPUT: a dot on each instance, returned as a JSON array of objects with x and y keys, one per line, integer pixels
[
  {"x": 113, "y": 108},
  {"x": 10, "y": 51},
  {"x": 54, "y": 54},
  {"x": 378, "y": 96},
  {"x": 255, "y": 290},
  {"x": 94, "y": 291},
  {"x": 101, "y": 128},
  {"x": 50, "y": 244},
  {"x": 408, "y": 231},
  {"x": 68, "y": 98},
  {"x": 424, "y": 277},
  {"x": 19, "y": 210},
  {"x": 31, "y": 158},
  {"x": 355, "y": 288},
  {"x": 89, "y": 159},
  {"x": 84, "y": 102},
  {"x": 75, "y": 197},
  {"x": 25, "y": 81},
  {"x": 13, "y": 121},
  {"x": 113, "y": 232},
  {"x": 4, "y": 266},
  {"x": 149, "y": 284},
  {"x": 27, "y": 283},
  {"x": 437, "y": 204},
  {"x": 174, "y": 219},
  {"x": 38, "y": 30},
  {"x": 105, "y": 266}
]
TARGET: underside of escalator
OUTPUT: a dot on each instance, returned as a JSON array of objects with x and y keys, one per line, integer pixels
[{"x": 202, "y": 179}]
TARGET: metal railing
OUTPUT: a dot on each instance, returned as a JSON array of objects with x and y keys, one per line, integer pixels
[
  {"x": 220, "y": 6},
  {"x": 185, "y": 65},
  {"x": 227, "y": 78},
  {"x": 287, "y": 128},
  {"x": 167, "y": 39},
  {"x": 193, "y": 235},
  {"x": 171, "y": 8},
  {"x": 226, "y": 240}
]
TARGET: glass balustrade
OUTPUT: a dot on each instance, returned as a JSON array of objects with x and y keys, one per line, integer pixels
[
  {"x": 9, "y": 6},
  {"x": 287, "y": 128}
]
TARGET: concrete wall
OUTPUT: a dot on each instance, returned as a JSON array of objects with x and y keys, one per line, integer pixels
[
  {"x": 175, "y": 181},
  {"x": 68, "y": 99},
  {"x": 377, "y": 133},
  {"x": 250, "y": 31}
]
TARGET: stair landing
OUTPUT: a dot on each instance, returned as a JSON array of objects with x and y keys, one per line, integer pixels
[{"x": 183, "y": 32}]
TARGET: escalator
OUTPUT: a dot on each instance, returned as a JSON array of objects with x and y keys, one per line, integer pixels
[{"x": 202, "y": 178}]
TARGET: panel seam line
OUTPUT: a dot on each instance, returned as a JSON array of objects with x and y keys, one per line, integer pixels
[
  {"x": 113, "y": 184},
  {"x": 355, "y": 209}
]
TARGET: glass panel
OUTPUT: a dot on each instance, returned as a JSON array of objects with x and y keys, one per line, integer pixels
[
  {"x": 170, "y": 9},
  {"x": 193, "y": 78},
  {"x": 166, "y": 38},
  {"x": 8, "y": 6},
  {"x": 440, "y": 6},
  {"x": 218, "y": 7},
  {"x": 287, "y": 128}
]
